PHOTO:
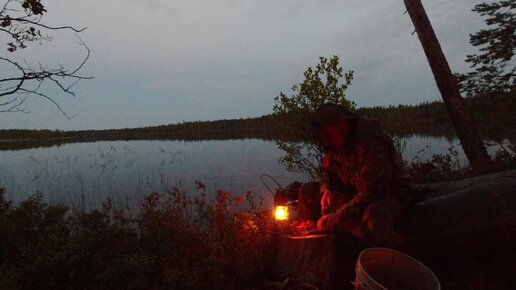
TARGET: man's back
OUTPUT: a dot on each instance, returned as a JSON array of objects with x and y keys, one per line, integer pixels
[{"x": 369, "y": 164}]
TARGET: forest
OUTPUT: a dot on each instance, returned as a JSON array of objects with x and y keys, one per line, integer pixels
[{"x": 494, "y": 114}]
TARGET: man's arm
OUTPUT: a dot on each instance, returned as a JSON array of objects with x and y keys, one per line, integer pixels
[
  {"x": 327, "y": 196},
  {"x": 374, "y": 176}
]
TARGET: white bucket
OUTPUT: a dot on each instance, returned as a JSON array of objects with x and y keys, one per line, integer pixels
[{"x": 381, "y": 268}]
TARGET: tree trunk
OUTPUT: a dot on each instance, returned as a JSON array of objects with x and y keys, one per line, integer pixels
[
  {"x": 309, "y": 259},
  {"x": 449, "y": 88}
]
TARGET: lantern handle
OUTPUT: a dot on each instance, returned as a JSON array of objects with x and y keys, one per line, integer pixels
[{"x": 275, "y": 181}]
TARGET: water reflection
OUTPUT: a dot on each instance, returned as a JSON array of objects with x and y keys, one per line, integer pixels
[{"x": 84, "y": 174}]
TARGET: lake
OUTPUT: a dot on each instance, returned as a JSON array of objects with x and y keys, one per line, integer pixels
[{"x": 83, "y": 175}]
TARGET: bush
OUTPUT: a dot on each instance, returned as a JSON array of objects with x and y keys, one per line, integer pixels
[
  {"x": 321, "y": 85},
  {"x": 175, "y": 241},
  {"x": 444, "y": 167}
]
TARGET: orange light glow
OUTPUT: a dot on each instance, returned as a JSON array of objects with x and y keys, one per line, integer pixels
[{"x": 281, "y": 213}]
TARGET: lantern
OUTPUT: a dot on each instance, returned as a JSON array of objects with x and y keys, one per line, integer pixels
[
  {"x": 280, "y": 206},
  {"x": 281, "y": 212}
]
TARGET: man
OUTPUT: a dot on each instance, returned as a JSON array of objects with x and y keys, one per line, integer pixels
[{"x": 361, "y": 187}]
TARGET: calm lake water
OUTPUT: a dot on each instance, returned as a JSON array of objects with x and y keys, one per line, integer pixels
[{"x": 83, "y": 175}]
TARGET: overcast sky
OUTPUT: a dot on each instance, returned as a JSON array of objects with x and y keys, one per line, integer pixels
[{"x": 165, "y": 61}]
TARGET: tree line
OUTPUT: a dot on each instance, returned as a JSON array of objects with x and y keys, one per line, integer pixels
[{"x": 494, "y": 113}]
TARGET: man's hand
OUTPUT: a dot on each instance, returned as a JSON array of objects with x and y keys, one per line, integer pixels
[
  {"x": 327, "y": 222},
  {"x": 326, "y": 201}
]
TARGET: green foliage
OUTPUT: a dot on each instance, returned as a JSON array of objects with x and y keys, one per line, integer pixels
[
  {"x": 443, "y": 167},
  {"x": 494, "y": 66},
  {"x": 34, "y": 6},
  {"x": 176, "y": 241},
  {"x": 320, "y": 86}
]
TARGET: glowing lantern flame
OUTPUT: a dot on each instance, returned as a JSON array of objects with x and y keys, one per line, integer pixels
[{"x": 281, "y": 213}]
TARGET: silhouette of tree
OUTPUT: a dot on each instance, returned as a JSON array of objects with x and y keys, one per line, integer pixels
[
  {"x": 447, "y": 83},
  {"x": 21, "y": 24},
  {"x": 321, "y": 86},
  {"x": 495, "y": 70}
]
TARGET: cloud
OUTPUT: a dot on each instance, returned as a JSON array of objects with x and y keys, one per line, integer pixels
[{"x": 159, "y": 61}]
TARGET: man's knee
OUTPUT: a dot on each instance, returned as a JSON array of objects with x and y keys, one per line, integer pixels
[
  {"x": 379, "y": 218},
  {"x": 386, "y": 210},
  {"x": 374, "y": 211}
]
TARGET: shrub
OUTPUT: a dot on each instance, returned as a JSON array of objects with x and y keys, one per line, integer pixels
[
  {"x": 443, "y": 167},
  {"x": 175, "y": 241}
]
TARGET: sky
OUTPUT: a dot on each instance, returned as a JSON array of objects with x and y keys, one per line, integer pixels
[{"x": 160, "y": 62}]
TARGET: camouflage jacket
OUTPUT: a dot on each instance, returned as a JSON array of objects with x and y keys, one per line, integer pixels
[{"x": 365, "y": 171}]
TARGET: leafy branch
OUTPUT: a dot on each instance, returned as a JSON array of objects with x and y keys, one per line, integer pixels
[
  {"x": 320, "y": 86},
  {"x": 495, "y": 67},
  {"x": 21, "y": 22}
]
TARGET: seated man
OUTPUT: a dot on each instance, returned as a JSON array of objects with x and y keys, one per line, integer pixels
[{"x": 361, "y": 189}]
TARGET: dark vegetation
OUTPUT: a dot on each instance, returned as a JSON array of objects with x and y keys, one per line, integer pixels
[
  {"x": 446, "y": 167},
  {"x": 261, "y": 127},
  {"x": 495, "y": 115},
  {"x": 175, "y": 241},
  {"x": 494, "y": 69},
  {"x": 326, "y": 82}
]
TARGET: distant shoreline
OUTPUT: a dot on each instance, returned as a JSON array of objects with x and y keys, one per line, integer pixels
[
  {"x": 34, "y": 139},
  {"x": 494, "y": 114}
]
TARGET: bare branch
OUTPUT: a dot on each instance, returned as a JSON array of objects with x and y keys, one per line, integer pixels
[
  {"x": 16, "y": 107},
  {"x": 50, "y": 100},
  {"x": 28, "y": 75},
  {"x": 21, "y": 81},
  {"x": 22, "y": 20}
]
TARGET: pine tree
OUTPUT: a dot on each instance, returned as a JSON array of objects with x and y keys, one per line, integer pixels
[{"x": 495, "y": 67}]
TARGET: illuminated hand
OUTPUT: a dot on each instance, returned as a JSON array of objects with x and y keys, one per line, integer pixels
[
  {"x": 327, "y": 222},
  {"x": 326, "y": 201}
]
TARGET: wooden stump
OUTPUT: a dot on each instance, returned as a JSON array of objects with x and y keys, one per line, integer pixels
[{"x": 309, "y": 258}]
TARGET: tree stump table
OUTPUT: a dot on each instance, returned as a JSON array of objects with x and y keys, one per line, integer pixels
[{"x": 310, "y": 258}]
